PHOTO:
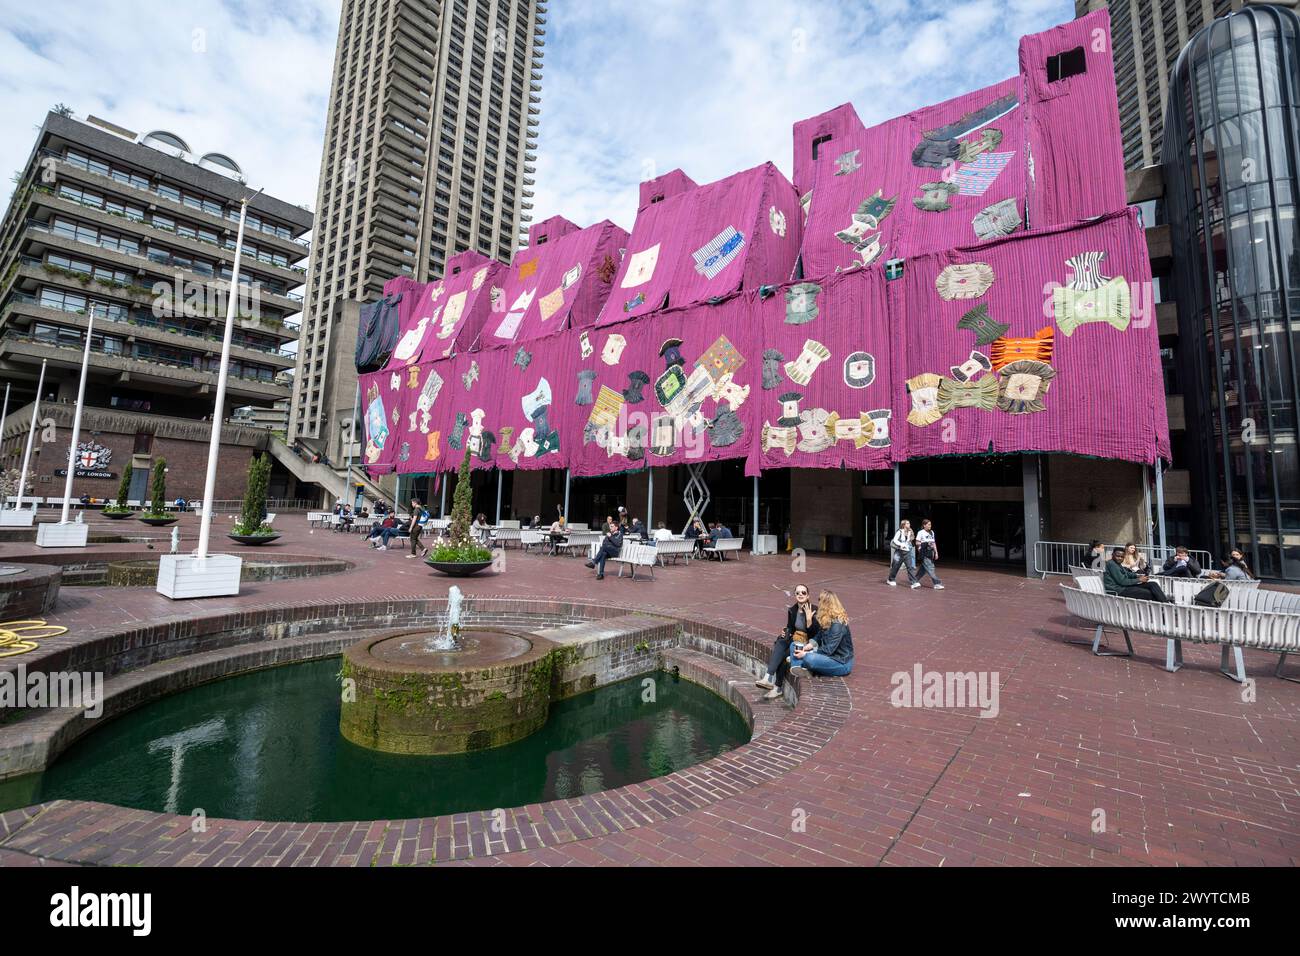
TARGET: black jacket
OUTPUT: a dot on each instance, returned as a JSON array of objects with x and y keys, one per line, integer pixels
[
  {"x": 1191, "y": 570},
  {"x": 792, "y": 612},
  {"x": 613, "y": 543}
]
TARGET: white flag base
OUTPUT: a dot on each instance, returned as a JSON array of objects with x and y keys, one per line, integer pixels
[
  {"x": 17, "y": 519},
  {"x": 764, "y": 544},
  {"x": 70, "y": 535},
  {"x": 186, "y": 576}
]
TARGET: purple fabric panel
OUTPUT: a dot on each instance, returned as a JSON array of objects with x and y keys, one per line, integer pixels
[
  {"x": 839, "y": 124},
  {"x": 826, "y": 352},
  {"x": 551, "y": 285},
  {"x": 778, "y": 234},
  {"x": 456, "y": 307},
  {"x": 1074, "y": 134},
  {"x": 720, "y": 221},
  {"x": 855, "y": 166},
  {"x": 550, "y": 230},
  {"x": 379, "y": 401},
  {"x": 1079, "y": 412},
  {"x": 458, "y": 402},
  {"x": 721, "y": 340},
  {"x": 669, "y": 184},
  {"x": 518, "y": 379},
  {"x": 418, "y": 414}
]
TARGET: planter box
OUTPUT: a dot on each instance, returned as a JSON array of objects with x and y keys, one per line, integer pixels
[
  {"x": 17, "y": 519},
  {"x": 185, "y": 576},
  {"x": 70, "y": 535}
]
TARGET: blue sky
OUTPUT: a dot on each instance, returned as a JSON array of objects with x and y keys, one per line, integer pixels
[{"x": 630, "y": 88}]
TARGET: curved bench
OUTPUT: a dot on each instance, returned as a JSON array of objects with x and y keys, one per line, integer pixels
[{"x": 1250, "y": 624}]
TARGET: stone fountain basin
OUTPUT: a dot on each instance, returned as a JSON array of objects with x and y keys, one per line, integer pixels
[{"x": 493, "y": 690}]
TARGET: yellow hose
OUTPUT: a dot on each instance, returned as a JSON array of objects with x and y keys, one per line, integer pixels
[{"x": 19, "y": 637}]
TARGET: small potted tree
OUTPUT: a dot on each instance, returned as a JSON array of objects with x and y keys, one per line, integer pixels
[
  {"x": 120, "y": 509},
  {"x": 157, "y": 514},
  {"x": 460, "y": 555},
  {"x": 251, "y": 528}
]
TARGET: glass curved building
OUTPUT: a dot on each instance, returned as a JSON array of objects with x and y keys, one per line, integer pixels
[{"x": 1230, "y": 164}]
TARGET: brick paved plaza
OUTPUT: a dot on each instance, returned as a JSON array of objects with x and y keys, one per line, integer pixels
[{"x": 1184, "y": 769}]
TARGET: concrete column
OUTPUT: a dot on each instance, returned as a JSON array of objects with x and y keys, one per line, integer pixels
[{"x": 1032, "y": 486}]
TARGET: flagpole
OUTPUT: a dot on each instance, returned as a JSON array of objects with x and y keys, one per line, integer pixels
[
  {"x": 4, "y": 413},
  {"x": 76, "y": 418},
  {"x": 214, "y": 440},
  {"x": 31, "y": 433}
]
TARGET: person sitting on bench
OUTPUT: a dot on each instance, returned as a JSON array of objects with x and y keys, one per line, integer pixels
[
  {"x": 1121, "y": 582},
  {"x": 611, "y": 547},
  {"x": 1181, "y": 565}
]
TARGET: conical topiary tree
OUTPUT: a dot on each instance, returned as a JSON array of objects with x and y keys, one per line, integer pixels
[
  {"x": 158, "y": 504},
  {"x": 123, "y": 490},
  {"x": 259, "y": 480},
  {"x": 461, "y": 547}
]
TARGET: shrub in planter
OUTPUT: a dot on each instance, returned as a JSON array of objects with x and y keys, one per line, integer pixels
[
  {"x": 250, "y": 522},
  {"x": 119, "y": 509},
  {"x": 460, "y": 547},
  {"x": 157, "y": 513}
]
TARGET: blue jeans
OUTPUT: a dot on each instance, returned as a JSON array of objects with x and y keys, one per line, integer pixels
[
  {"x": 896, "y": 560},
  {"x": 927, "y": 567},
  {"x": 819, "y": 663}
]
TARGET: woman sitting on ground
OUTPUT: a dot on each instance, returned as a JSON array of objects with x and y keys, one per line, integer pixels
[
  {"x": 834, "y": 646},
  {"x": 801, "y": 630}
]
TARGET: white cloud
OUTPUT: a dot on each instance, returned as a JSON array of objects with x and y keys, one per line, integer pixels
[{"x": 629, "y": 88}]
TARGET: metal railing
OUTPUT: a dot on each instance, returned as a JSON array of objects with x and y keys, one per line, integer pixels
[
  {"x": 108, "y": 345},
  {"x": 1056, "y": 557}
]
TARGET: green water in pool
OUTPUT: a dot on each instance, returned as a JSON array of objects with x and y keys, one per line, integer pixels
[{"x": 266, "y": 746}]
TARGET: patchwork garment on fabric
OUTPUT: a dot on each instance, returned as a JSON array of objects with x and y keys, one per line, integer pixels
[
  {"x": 720, "y": 359},
  {"x": 978, "y": 394},
  {"x": 998, "y": 220},
  {"x": 376, "y": 422},
  {"x": 1038, "y": 347},
  {"x": 859, "y": 370},
  {"x": 979, "y": 321},
  {"x": 1089, "y": 296},
  {"x": 964, "y": 281},
  {"x": 801, "y": 303},
  {"x": 641, "y": 267},
  {"x": 935, "y": 197},
  {"x": 802, "y": 368},
  {"x": 720, "y": 252},
  {"x": 923, "y": 390},
  {"x": 975, "y": 178},
  {"x": 972, "y": 368},
  {"x": 1022, "y": 386}
]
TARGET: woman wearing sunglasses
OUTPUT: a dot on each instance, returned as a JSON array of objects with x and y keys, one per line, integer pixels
[{"x": 800, "y": 630}]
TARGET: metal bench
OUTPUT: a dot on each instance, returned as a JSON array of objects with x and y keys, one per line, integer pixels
[
  {"x": 635, "y": 555},
  {"x": 1264, "y": 620},
  {"x": 532, "y": 538},
  {"x": 506, "y": 535},
  {"x": 580, "y": 542},
  {"x": 720, "y": 548}
]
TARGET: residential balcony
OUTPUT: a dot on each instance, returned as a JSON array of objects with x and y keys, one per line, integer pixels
[
  {"x": 149, "y": 373},
  {"x": 144, "y": 230},
  {"x": 294, "y": 248},
  {"x": 22, "y": 311},
  {"x": 38, "y": 238}
]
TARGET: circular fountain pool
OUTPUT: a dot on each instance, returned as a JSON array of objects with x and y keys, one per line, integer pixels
[{"x": 266, "y": 746}]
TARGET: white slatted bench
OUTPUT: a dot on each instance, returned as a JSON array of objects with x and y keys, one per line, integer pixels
[
  {"x": 505, "y": 536},
  {"x": 1246, "y": 621},
  {"x": 720, "y": 549},
  {"x": 532, "y": 538},
  {"x": 674, "y": 548},
  {"x": 317, "y": 518},
  {"x": 635, "y": 555},
  {"x": 580, "y": 542}
]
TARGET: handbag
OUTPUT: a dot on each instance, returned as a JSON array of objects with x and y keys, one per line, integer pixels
[{"x": 1212, "y": 595}]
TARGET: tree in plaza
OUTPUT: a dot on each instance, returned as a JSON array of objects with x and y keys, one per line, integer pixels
[{"x": 259, "y": 480}]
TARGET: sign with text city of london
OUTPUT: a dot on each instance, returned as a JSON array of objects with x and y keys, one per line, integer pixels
[{"x": 92, "y": 461}]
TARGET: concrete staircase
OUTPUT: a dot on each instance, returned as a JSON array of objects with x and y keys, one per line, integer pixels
[{"x": 333, "y": 480}]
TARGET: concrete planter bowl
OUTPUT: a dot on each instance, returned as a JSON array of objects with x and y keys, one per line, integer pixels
[
  {"x": 254, "y": 539},
  {"x": 459, "y": 569},
  {"x": 117, "y": 515},
  {"x": 158, "y": 522}
]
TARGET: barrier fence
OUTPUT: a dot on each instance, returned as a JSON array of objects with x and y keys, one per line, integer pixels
[{"x": 1056, "y": 557}]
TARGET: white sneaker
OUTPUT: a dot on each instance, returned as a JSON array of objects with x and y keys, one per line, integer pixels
[
  {"x": 938, "y": 587},
  {"x": 915, "y": 585},
  {"x": 892, "y": 584},
  {"x": 772, "y": 694},
  {"x": 765, "y": 683},
  {"x": 382, "y": 547}
]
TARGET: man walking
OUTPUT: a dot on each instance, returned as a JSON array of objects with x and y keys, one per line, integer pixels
[{"x": 927, "y": 549}]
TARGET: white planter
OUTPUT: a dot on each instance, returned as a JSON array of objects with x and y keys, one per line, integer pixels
[
  {"x": 764, "y": 544},
  {"x": 185, "y": 576},
  {"x": 70, "y": 535},
  {"x": 17, "y": 519}
]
